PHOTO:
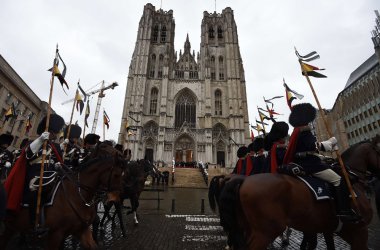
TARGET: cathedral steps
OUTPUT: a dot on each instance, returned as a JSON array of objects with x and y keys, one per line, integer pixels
[{"x": 186, "y": 178}]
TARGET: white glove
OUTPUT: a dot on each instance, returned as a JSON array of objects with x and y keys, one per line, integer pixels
[
  {"x": 37, "y": 143},
  {"x": 63, "y": 144},
  {"x": 330, "y": 144},
  {"x": 8, "y": 164}
]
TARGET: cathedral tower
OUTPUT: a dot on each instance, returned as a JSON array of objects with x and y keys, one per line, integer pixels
[{"x": 192, "y": 107}]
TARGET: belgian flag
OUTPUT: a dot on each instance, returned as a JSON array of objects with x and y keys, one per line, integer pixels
[{"x": 106, "y": 119}]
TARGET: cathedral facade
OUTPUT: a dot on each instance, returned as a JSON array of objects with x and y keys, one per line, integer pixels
[{"x": 185, "y": 106}]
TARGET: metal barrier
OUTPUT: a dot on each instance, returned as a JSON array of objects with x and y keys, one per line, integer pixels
[{"x": 158, "y": 199}]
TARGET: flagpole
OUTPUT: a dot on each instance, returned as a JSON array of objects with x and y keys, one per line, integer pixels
[
  {"x": 69, "y": 129},
  {"x": 46, "y": 141},
  {"x": 347, "y": 179},
  {"x": 84, "y": 124},
  {"x": 104, "y": 128}
]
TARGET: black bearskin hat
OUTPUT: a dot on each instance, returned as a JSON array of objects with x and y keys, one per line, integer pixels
[
  {"x": 302, "y": 114},
  {"x": 119, "y": 147},
  {"x": 258, "y": 144},
  {"x": 75, "y": 131},
  {"x": 56, "y": 123},
  {"x": 6, "y": 139},
  {"x": 91, "y": 139},
  {"x": 242, "y": 152},
  {"x": 279, "y": 130}
]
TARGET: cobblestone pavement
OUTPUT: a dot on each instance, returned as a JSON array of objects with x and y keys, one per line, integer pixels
[
  {"x": 184, "y": 227},
  {"x": 186, "y": 223}
]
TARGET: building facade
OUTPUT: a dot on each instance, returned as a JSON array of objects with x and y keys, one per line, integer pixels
[
  {"x": 14, "y": 91},
  {"x": 355, "y": 116},
  {"x": 185, "y": 106}
]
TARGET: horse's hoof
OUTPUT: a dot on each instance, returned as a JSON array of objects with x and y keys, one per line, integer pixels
[{"x": 136, "y": 224}]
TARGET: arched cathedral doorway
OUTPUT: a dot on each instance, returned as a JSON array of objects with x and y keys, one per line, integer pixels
[{"x": 184, "y": 149}]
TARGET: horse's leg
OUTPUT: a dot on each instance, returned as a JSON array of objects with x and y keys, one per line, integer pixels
[
  {"x": 55, "y": 240},
  {"x": 358, "y": 239},
  {"x": 309, "y": 241},
  {"x": 86, "y": 239},
  {"x": 260, "y": 240},
  {"x": 107, "y": 208},
  {"x": 119, "y": 211},
  {"x": 285, "y": 237},
  {"x": 95, "y": 227},
  {"x": 329, "y": 239},
  {"x": 134, "y": 204}
]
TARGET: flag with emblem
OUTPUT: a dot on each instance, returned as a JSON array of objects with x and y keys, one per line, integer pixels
[
  {"x": 28, "y": 125},
  {"x": 291, "y": 95},
  {"x": 11, "y": 112},
  {"x": 60, "y": 75},
  {"x": 79, "y": 102},
  {"x": 87, "y": 113},
  {"x": 106, "y": 119}
]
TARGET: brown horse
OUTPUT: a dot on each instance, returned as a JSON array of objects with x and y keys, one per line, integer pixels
[
  {"x": 73, "y": 209},
  {"x": 257, "y": 209}
]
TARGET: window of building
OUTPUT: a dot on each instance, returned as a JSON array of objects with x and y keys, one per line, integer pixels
[
  {"x": 356, "y": 133},
  {"x": 220, "y": 32},
  {"x": 361, "y": 116},
  {"x": 15, "y": 140},
  {"x": 360, "y": 131},
  {"x": 218, "y": 102},
  {"x": 213, "y": 76},
  {"x": 185, "y": 111},
  {"x": 349, "y": 135},
  {"x": 20, "y": 126},
  {"x": 211, "y": 33},
  {"x": 349, "y": 122},
  {"x": 345, "y": 124},
  {"x": 155, "y": 33},
  {"x": 353, "y": 121},
  {"x": 8, "y": 99},
  {"x": 370, "y": 112},
  {"x": 365, "y": 129},
  {"x": 163, "y": 34},
  {"x": 212, "y": 66},
  {"x": 365, "y": 114},
  {"x": 160, "y": 65},
  {"x": 357, "y": 118},
  {"x": 153, "y": 101},
  {"x": 375, "y": 109},
  {"x": 374, "y": 124},
  {"x": 369, "y": 127},
  {"x": 152, "y": 66},
  {"x": 221, "y": 68}
]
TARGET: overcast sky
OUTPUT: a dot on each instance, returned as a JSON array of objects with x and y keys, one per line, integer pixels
[{"x": 97, "y": 38}]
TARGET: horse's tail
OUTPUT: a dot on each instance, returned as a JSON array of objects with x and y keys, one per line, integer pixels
[
  {"x": 214, "y": 191},
  {"x": 229, "y": 208}
]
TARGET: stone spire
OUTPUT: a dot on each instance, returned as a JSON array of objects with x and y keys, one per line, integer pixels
[{"x": 187, "y": 44}]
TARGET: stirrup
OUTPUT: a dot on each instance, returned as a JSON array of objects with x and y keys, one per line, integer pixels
[{"x": 349, "y": 216}]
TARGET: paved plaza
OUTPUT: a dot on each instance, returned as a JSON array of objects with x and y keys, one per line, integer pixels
[{"x": 184, "y": 226}]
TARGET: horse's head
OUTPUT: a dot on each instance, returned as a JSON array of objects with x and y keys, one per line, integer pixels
[{"x": 111, "y": 166}]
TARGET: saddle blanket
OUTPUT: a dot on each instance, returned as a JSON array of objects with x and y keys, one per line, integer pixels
[{"x": 318, "y": 187}]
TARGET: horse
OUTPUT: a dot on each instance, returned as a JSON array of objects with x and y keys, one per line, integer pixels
[
  {"x": 258, "y": 208},
  {"x": 72, "y": 211},
  {"x": 134, "y": 179}
]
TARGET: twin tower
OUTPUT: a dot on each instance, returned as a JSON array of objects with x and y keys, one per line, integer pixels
[{"x": 185, "y": 106}]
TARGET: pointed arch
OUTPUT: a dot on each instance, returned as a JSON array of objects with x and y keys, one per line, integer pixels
[
  {"x": 163, "y": 34},
  {"x": 221, "y": 68},
  {"x": 185, "y": 108},
  {"x": 152, "y": 66},
  {"x": 155, "y": 33}
]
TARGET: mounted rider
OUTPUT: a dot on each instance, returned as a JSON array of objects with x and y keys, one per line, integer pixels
[
  {"x": 6, "y": 157},
  {"x": 89, "y": 143},
  {"x": 277, "y": 141},
  {"x": 27, "y": 168},
  {"x": 303, "y": 149},
  {"x": 241, "y": 164},
  {"x": 73, "y": 149},
  {"x": 259, "y": 157}
]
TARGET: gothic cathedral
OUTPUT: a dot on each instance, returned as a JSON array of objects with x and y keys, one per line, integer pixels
[{"x": 187, "y": 107}]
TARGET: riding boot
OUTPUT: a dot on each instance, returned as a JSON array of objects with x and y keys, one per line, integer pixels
[
  {"x": 37, "y": 231},
  {"x": 343, "y": 207}
]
